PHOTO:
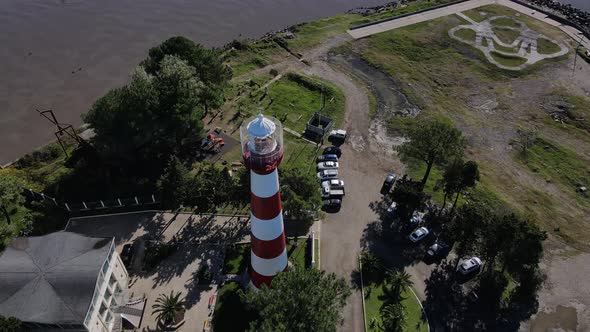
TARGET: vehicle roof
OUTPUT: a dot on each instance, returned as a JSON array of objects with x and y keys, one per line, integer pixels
[
  {"x": 330, "y": 172},
  {"x": 421, "y": 230}
]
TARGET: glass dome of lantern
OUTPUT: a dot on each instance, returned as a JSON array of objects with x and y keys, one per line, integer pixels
[{"x": 262, "y": 142}]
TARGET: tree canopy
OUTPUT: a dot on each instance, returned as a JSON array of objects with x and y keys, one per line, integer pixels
[
  {"x": 457, "y": 177},
  {"x": 433, "y": 142},
  {"x": 299, "y": 194},
  {"x": 11, "y": 188},
  {"x": 299, "y": 300},
  {"x": 208, "y": 64},
  {"x": 506, "y": 241},
  {"x": 152, "y": 118},
  {"x": 158, "y": 114},
  {"x": 408, "y": 195}
]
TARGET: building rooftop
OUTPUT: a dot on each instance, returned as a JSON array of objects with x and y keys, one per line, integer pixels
[{"x": 50, "y": 279}]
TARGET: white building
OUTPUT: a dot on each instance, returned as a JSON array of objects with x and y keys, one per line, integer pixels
[{"x": 65, "y": 281}]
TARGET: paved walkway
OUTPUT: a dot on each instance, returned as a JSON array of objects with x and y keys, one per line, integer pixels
[{"x": 461, "y": 7}]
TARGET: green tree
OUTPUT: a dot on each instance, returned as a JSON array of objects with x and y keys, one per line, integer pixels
[
  {"x": 10, "y": 324},
  {"x": 396, "y": 284},
  {"x": 11, "y": 188},
  {"x": 299, "y": 300},
  {"x": 299, "y": 195},
  {"x": 433, "y": 142},
  {"x": 208, "y": 63},
  {"x": 173, "y": 184},
  {"x": 372, "y": 267},
  {"x": 210, "y": 187},
  {"x": 408, "y": 195},
  {"x": 451, "y": 180},
  {"x": 469, "y": 177},
  {"x": 525, "y": 249},
  {"x": 392, "y": 318},
  {"x": 466, "y": 228},
  {"x": 139, "y": 126},
  {"x": 168, "y": 307}
]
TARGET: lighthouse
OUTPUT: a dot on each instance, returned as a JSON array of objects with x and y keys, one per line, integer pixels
[{"x": 262, "y": 150}]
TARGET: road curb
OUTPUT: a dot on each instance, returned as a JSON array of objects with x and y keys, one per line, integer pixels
[
  {"x": 363, "y": 294},
  {"x": 421, "y": 307}
]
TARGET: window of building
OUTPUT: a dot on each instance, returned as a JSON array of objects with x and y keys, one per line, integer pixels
[
  {"x": 89, "y": 314},
  {"x": 103, "y": 309}
]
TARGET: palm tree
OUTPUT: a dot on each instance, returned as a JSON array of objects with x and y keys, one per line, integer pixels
[
  {"x": 395, "y": 286},
  {"x": 392, "y": 318},
  {"x": 167, "y": 307},
  {"x": 372, "y": 266}
]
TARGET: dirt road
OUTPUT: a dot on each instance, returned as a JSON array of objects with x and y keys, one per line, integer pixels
[{"x": 363, "y": 165}]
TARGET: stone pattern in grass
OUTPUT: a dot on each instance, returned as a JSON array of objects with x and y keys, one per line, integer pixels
[{"x": 412, "y": 310}]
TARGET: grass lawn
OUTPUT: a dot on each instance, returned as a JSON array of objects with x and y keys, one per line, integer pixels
[
  {"x": 296, "y": 97},
  {"x": 237, "y": 256},
  {"x": 510, "y": 61},
  {"x": 297, "y": 252},
  {"x": 313, "y": 33},
  {"x": 506, "y": 23},
  {"x": 545, "y": 46},
  {"x": 557, "y": 164},
  {"x": 578, "y": 114},
  {"x": 230, "y": 314},
  {"x": 413, "y": 312},
  {"x": 467, "y": 34},
  {"x": 506, "y": 35},
  {"x": 505, "y": 49}
]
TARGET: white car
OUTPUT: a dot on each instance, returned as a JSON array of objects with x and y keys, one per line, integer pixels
[
  {"x": 337, "y": 135},
  {"x": 469, "y": 265},
  {"x": 392, "y": 208},
  {"x": 333, "y": 183},
  {"x": 416, "y": 218},
  {"x": 327, "y": 165},
  {"x": 328, "y": 174},
  {"x": 418, "y": 234}
]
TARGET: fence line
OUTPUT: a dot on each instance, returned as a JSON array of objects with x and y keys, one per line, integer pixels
[{"x": 86, "y": 206}]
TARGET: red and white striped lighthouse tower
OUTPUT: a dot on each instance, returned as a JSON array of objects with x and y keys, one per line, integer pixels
[{"x": 262, "y": 150}]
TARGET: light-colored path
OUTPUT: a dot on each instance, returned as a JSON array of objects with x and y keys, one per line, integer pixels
[{"x": 461, "y": 7}]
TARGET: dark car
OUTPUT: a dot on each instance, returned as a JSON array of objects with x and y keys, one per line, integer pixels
[
  {"x": 327, "y": 157},
  {"x": 127, "y": 254},
  {"x": 437, "y": 250},
  {"x": 333, "y": 150},
  {"x": 332, "y": 203},
  {"x": 388, "y": 183}
]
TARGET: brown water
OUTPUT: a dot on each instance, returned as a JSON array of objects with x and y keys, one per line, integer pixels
[{"x": 62, "y": 55}]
